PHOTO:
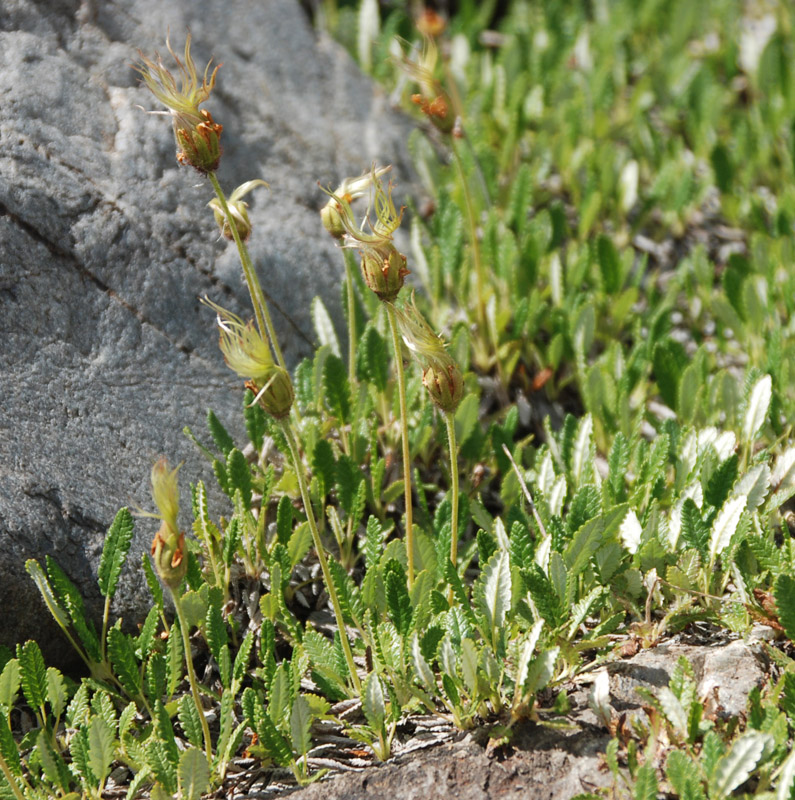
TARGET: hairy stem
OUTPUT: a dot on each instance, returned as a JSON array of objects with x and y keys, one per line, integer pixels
[
  {"x": 261, "y": 312},
  {"x": 194, "y": 686},
  {"x": 350, "y": 265},
  {"x": 321, "y": 555},
  {"x": 473, "y": 238},
  {"x": 449, "y": 419},
  {"x": 401, "y": 382}
]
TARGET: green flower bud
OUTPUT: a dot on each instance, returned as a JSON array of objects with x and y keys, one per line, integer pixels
[
  {"x": 200, "y": 144},
  {"x": 331, "y": 215},
  {"x": 168, "y": 546},
  {"x": 441, "y": 375},
  {"x": 238, "y": 210},
  {"x": 384, "y": 271},
  {"x": 168, "y": 553},
  {"x": 445, "y": 384},
  {"x": 276, "y": 396},
  {"x": 197, "y": 135}
]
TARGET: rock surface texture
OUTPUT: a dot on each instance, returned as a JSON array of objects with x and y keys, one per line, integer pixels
[
  {"x": 560, "y": 759},
  {"x": 106, "y": 244}
]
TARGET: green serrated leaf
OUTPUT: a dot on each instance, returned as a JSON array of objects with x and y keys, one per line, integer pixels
[
  {"x": 193, "y": 774},
  {"x": 55, "y": 769},
  {"x": 175, "y": 656},
  {"x": 784, "y": 592},
  {"x": 56, "y": 691},
  {"x": 165, "y": 735},
  {"x": 721, "y": 481},
  {"x": 397, "y": 597},
  {"x": 545, "y": 598},
  {"x": 152, "y": 582},
  {"x": 609, "y": 264},
  {"x": 77, "y": 712},
  {"x": 280, "y": 695},
  {"x": 374, "y": 542},
  {"x": 373, "y": 702},
  {"x": 242, "y": 658},
  {"x": 10, "y": 679},
  {"x": 146, "y": 638},
  {"x": 239, "y": 476},
  {"x": 156, "y": 676},
  {"x": 72, "y": 601},
  {"x": 189, "y": 720},
  {"x": 301, "y": 725},
  {"x": 79, "y": 750},
  {"x": 43, "y": 585},
  {"x": 670, "y": 360},
  {"x": 254, "y": 418},
  {"x": 348, "y": 478},
  {"x": 122, "y": 658},
  {"x": 337, "y": 390},
  {"x": 323, "y": 466},
  {"x": 736, "y": 766},
  {"x": 223, "y": 441},
  {"x": 214, "y": 626},
  {"x": 645, "y": 784},
  {"x": 494, "y": 587},
  {"x": 372, "y": 358},
  {"x": 300, "y": 544},
  {"x": 101, "y": 747},
  {"x": 8, "y": 747},
  {"x": 591, "y": 536},
  {"x": 522, "y": 546},
  {"x": 33, "y": 674},
  {"x": 114, "y": 552}
]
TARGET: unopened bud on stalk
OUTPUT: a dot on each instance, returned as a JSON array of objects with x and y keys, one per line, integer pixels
[
  {"x": 445, "y": 385},
  {"x": 432, "y": 100},
  {"x": 248, "y": 354},
  {"x": 336, "y": 215},
  {"x": 197, "y": 135},
  {"x": 383, "y": 267},
  {"x": 237, "y": 208},
  {"x": 276, "y": 395},
  {"x": 384, "y": 271},
  {"x": 168, "y": 546},
  {"x": 431, "y": 23},
  {"x": 441, "y": 375}
]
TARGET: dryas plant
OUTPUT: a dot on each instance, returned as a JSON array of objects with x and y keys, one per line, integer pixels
[{"x": 660, "y": 500}]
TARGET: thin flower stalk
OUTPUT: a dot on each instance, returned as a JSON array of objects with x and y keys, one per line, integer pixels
[
  {"x": 321, "y": 556},
  {"x": 194, "y": 684},
  {"x": 480, "y": 296},
  {"x": 404, "y": 429},
  {"x": 449, "y": 419},
  {"x": 197, "y": 135},
  {"x": 168, "y": 555},
  {"x": 260, "y": 305},
  {"x": 351, "y": 300}
]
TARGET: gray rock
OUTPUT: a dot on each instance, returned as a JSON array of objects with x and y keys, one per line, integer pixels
[
  {"x": 554, "y": 762},
  {"x": 724, "y": 674},
  {"x": 540, "y": 763},
  {"x": 106, "y": 244}
]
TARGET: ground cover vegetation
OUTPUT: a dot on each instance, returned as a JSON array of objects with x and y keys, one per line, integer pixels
[{"x": 602, "y": 455}]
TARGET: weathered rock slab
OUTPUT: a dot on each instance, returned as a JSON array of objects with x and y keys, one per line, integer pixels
[{"x": 562, "y": 756}]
